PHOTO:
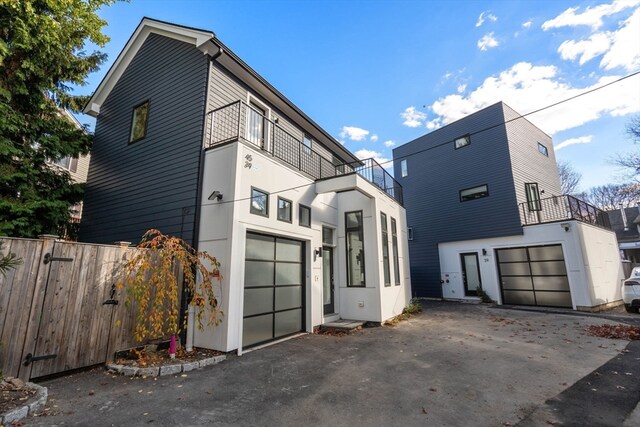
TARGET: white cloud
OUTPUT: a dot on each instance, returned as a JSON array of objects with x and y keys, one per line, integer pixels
[
  {"x": 527, "y": 24},
  {"x": 586, "y": 50},
  {"x": 484, "y": 16},
  {"x": 621, "y": 48},
  {"x": 374, "y": 138},
  {"x": 370, "y": 154},
  {"x": 461, "y": 87},
  {"x": 354, "y": 133},
  {"x": 572, "y": 141},
  {"x": 625, "y": 46},
  {"x": 526, "y": 88},
  {"x": 487, "y": 41},
  {"x": 592, "y": 16},
  {"x": 412, "y": 117},
  {"x": 389, "y": 143}
]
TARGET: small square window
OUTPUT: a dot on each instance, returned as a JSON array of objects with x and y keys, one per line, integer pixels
[
  {"x": 306, "y": 144},
  {"x": 403, "y": 168},
  {"x": 543, "y": 149},
  {"x": 463, "y": 141},
  {"x": 139, "y": 122},
  {"x": 259, "y": 202},
  {"x": 474, "y": 193},
  {"x": 284, "y": 210},
  {"x": 304, "y": 217}
]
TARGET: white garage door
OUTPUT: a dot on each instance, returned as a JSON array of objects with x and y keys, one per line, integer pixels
[{"x": 273, "y": 288}]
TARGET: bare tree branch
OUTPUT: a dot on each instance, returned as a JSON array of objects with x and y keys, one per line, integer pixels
[{"x": 569, "y": 178}]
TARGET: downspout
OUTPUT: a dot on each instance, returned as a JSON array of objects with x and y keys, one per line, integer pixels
[{"x": 186, "y": 336}]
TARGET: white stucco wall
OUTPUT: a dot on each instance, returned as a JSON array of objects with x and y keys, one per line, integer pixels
[
  {"x": 591, "y": 257},
  {"x": 235, "y": 168}
]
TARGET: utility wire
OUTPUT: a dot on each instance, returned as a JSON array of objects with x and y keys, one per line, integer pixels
[{"x": 521, "y": 116}]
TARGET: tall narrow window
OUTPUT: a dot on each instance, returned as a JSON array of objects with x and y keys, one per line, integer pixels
[
  {"x": 139, "y": 122},
  {"x": 403, "y": 168},
  {"x": 533, "y": 196},
  {"x": 355, "y": 249},
  {"x": 256, "y": 124},
  {"x": 396, "y": 259},
  {"x": 385, "y": 249},
  {"x": 306, "y": 144},
  {"x": 304, "y": 216}
]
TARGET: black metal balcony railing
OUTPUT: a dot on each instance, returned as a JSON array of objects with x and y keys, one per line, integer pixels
[
  {"x": 240, "y": 120},
  {"x": 559, "y": 208}
]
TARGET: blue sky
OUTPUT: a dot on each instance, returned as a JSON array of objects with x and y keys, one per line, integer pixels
[{"x": 377, "y": 74}]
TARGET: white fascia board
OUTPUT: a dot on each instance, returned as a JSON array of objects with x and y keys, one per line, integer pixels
[{"x": 147, "y": 26}]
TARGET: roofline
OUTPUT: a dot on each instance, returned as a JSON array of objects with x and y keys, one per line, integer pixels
[{"x": 146, "y": 26}]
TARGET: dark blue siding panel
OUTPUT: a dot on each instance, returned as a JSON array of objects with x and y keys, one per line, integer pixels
[
  {"x": 436, "y": 174},
  {"x": 151, "y": 183}
]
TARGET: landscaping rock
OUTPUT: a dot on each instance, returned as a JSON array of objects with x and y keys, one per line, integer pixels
[
  {"x": 41, "y": 398},
  {"x": 190, "y": 366},
  {"x": 15, "y": 415},
  {"x": 149, "y": 372},
  {"x": 170, "y": 369},
  {"x": 130, "y": 371}
]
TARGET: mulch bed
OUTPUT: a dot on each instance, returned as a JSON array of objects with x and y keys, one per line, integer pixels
[
  {"x": 621, "y": 332},
  {"x": 150, "y": 357},
  {"x": 13, "y": 394}
]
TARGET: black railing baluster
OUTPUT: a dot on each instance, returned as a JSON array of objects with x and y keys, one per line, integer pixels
[{"x": 558, "y": 208}]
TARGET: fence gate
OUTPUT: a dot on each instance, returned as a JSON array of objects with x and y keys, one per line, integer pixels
[{"x": 59, "y": 307}]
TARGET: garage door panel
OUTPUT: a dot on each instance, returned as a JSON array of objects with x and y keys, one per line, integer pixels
[
  {"x": 258, "y": 300},
  {"x": 551, "y": 283},
  {"x": 288, "y": 322},
  {"x": 519, "y": 297},
  {"x": 288, "y": 250},
  {"x": 513, "y": 255},
  {"x": 260, "y": 247},
  {"x": 258, "y": 273},
  {"x": 517, "y": 283},
  {"x": 555, "y": 299},
  {"x": 257, "y": 329},
  {"x": 288, "y": 297},
  {"x": 546, "y": 253},
  {"x": 548, "y": 268},
  {"x": 515, "y": 269},
  {"x": 288, "y": 274}
]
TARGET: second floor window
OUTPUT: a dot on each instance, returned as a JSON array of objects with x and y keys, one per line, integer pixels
[
  {"x": 139, "y": 122},
  {"x": 259, "y": 202},
  {"x": 284, "y": 210},
  {"x": 307, "y": 143},
  {"x": 474, "y": 193},
  {"x": 385, "y": 249},
  {"x": 403, "y": 168}
]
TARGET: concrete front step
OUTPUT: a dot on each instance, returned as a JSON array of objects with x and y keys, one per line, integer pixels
[{"x": 343, "y": 325}]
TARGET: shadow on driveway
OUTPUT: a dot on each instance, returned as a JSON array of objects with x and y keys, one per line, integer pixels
[{"x": 454, "y": 364}]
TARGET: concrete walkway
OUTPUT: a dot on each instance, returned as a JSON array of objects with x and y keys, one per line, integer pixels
[{"x": 453, "y": 365}]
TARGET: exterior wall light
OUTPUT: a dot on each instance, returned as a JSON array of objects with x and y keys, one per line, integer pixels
[{"x": 216, "y": 195}]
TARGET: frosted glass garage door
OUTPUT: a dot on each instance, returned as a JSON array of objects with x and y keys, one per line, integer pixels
[
  {"x": 534, "y": 275},
  {"x": 273, "y": 288}
]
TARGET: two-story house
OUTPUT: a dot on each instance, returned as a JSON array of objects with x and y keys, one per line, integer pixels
[
  {"x": 485, "y": 210},
  {"x": 192, "y": 141}
]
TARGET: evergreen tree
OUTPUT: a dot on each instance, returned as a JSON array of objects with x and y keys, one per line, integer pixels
[{"x": 42, "y": 53}]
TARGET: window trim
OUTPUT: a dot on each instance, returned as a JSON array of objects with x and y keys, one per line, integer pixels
[
  {"x": 467, "y": 139},
  {"x": 542, "y": 149},
  {"x": 146, "y": 122},
  {"x": 468, "y": 199},
  {"x": 300, "y": 207},
  {"x": 255, "y": 211},
  {"x": 290, "y": 220},
  {"x": 384, "y": 233},
  {"x": 395, "y": 251},
  {"x": 360, "y": 229}
]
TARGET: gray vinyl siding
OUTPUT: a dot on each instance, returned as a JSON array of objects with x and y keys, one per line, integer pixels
[
  {"x": 431, "y": 191},
  {"x": 529, "y": 165},
  {"x": 225, "y": 89},
  {"x": 149, "y": 183}
]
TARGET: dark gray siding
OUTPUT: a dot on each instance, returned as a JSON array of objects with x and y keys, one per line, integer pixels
[
  {"x": 151, "y": 183},
  {"x": 431, "y": 191}
]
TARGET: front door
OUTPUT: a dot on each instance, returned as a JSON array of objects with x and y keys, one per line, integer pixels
[
  {"x": 470, "y": 274},
  {"x": 256, "y": 125},
  {"x": 327, "y": 280}
]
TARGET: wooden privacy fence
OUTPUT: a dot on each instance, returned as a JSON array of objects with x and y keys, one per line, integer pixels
[{"x": 60, "y": 309}]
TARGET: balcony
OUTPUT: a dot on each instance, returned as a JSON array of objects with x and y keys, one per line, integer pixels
[
  {"x": 562, "y": 208},
  {"x": 241, "y": 121}
]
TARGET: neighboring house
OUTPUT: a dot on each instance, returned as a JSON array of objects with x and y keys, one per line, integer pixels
[
  {"x": 485, "y": 210},
  {"x": 625, "y": 222},
  {"x": 78, "y": 168},
  {"x": 191, "y": 141}
]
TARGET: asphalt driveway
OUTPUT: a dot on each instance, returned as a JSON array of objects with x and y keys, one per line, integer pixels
[{"x": 454, "y": 365}]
